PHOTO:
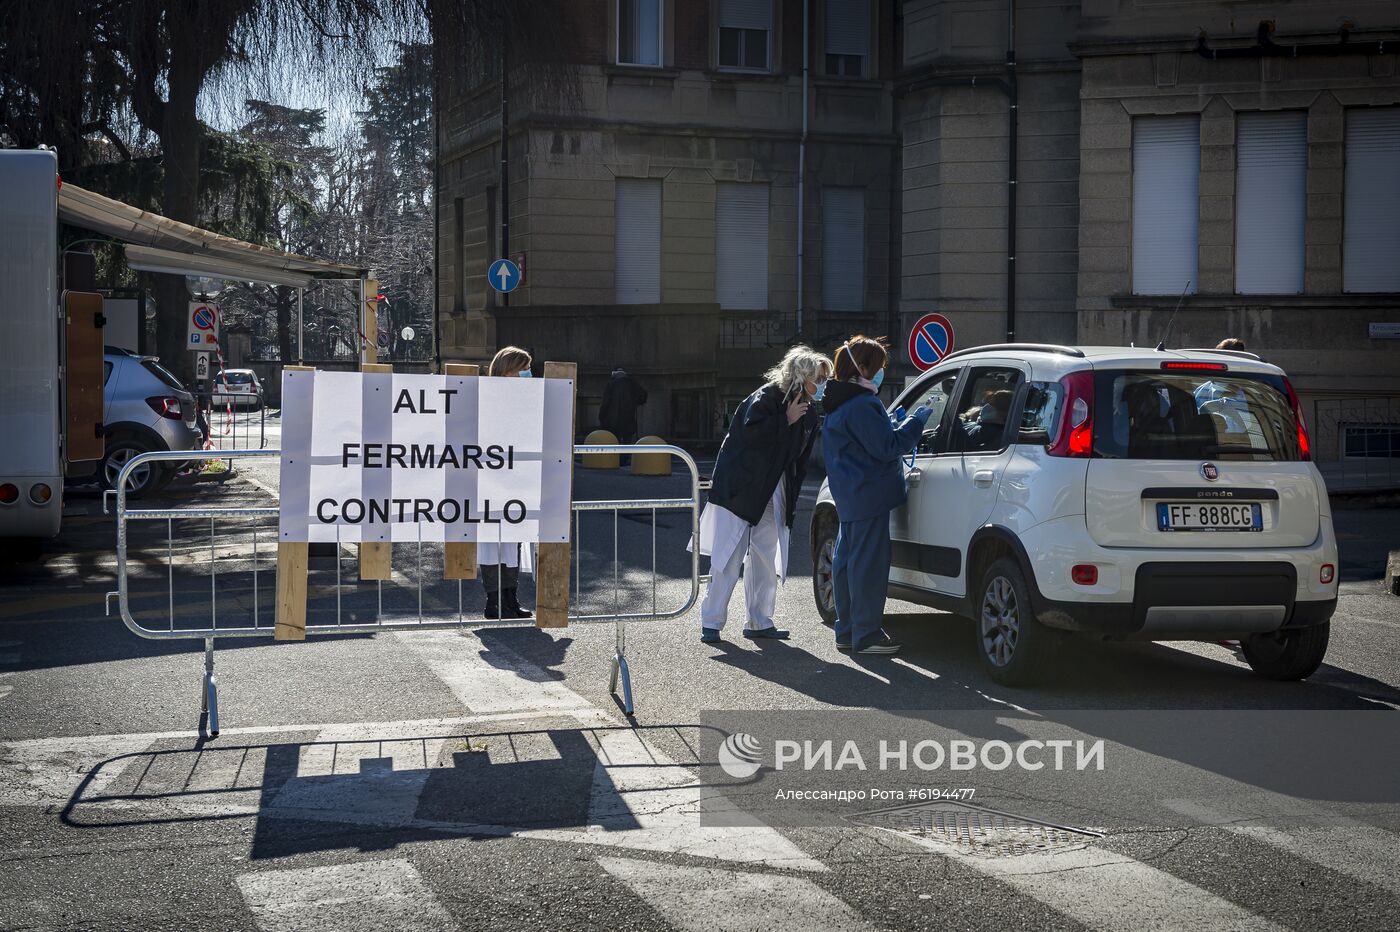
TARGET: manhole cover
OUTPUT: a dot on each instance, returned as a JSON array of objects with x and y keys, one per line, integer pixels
[{"x": 977, "y": 831}]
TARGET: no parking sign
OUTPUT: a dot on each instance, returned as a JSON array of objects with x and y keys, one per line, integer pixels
[{"x": 930, "y": 341}]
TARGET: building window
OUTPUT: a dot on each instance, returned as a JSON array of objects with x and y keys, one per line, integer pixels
[
  {"x": 1371, "y": 229},
  {"x": 637, "y": 240},
  {"x": 1166, "y": 203},
  {"x": 847, "y": 37},
  {"x": 639, "y": 32},
  {"x": 745, "y": 31},
  {"x": 1380, "y": 441},
  {"x": 741, "y": 246},
  {"x": 843, "y": 249},
  {"x": 1271, "y": 193}
]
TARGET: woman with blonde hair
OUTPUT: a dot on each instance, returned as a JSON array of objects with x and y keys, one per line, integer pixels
[
  {"x": 753, "y": 497},
  {"x": 500, "y": 564}
]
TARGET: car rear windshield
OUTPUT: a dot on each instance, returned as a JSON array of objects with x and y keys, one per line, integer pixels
[
  {"x": 156, "y": 369},
  {"x": 238, "y": 378},
  {"x": 1192, "y": 415}
]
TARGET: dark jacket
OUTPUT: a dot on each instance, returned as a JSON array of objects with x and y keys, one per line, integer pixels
[
  {"x": 760, "y": 450},
  {"x": 622, "y": 396},
  {"x": 862, "y": 451}
]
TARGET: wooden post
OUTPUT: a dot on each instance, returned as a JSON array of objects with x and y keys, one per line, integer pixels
[
  {"x": 291, "y": 580},
  {"x": 552, "y": 568},
  {"x": 376, "y": 557},
  {"x": 369, "y": 323},
  {"x": 460, "y": 558}
]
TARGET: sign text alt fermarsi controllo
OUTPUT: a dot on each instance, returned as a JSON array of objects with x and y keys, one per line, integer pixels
[{"x": 369, "y": 456}]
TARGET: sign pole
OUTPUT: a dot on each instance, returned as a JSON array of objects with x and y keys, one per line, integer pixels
[{"x": 552, "y": 571}]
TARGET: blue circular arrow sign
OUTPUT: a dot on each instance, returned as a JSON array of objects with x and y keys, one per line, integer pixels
[{"x": 503, "y": 275}]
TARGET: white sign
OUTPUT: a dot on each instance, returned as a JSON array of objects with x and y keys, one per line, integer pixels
[
  {"x": 203, "y": 333},
  {"x": 387, "y": 456},
  {"x": 201, "y": 367},
  {"x": 1385, "y": 331}
]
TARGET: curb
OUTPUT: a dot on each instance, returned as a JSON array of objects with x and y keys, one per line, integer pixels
[{"x": 1392, "y": 573}]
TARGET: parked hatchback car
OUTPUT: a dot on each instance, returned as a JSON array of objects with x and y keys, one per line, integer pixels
[
  {"x": 238, "y": 387},
  {"x": 1122, "y": 493},
  {"x": 144, "y": 408}
]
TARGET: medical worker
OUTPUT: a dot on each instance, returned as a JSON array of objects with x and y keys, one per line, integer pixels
[
  {"x": 501, "y": 563},
  {"x": 863, "y": 449},
  {"x": 753, "y": 498}
]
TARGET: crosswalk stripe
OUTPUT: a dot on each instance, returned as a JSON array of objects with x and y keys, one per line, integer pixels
[
  {"x": 484, "y": 687},
  {"x": 367, "y": 894},
  {"x": 707, "y": 899},
  {"x": 1107, "y": 891},
  {"x": 1348, "y": 847}
]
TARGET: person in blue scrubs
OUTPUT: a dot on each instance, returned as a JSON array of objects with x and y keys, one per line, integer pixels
[{"x": 862, "y": 448}]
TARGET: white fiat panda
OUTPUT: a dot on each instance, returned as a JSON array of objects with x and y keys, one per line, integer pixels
[{"x": 1121, "y": 493}]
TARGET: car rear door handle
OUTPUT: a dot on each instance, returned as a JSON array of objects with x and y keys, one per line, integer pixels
[
  {"x": 983, "y": 478},
  {"x": 914, "y": 476}
]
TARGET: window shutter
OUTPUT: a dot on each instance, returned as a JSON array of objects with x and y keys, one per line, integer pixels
[
  {"x": 741, "y": 246},
  {"x": 746, "y": 14},
  {"x": 1166, "y": 203},
  {"x": 637, "y": 240},
  {"x": 1271, "y": 187},
  {"x": 843, "y": 249},
  {"x": 1371, "y": 230},
  {"x": 847, "y": 27}
]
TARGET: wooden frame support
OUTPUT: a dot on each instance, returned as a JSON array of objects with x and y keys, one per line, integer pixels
[
  {"x": 459, "y": 559},
  {"x": 292, "y": 559},
  {"x": 376, "y": 557},
  {"x": 552, "y": 567}
]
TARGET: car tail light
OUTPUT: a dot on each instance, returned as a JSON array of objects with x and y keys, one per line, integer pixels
[
  {"x": 40, "y": 493},
  {"x": 1085, "y": 574},
  {"x": 165, "y": 406},
  {"x": 1076, "y": 434},
  {"x": 1304, "y": 448},
  {"x": 1327, "y": 573},
  {"x": 9, "y": 493}
]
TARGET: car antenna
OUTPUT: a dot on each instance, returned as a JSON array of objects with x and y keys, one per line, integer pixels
[{"x": 1171, "y": 320}]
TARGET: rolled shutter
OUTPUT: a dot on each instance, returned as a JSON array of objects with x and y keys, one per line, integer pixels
[
  {"x": 1166, "y": 203},
  {"x": 746, "y": 14},
  {"x": 741, "y": 246},
  {"x": 1371, "y": 230},
  {"x": 843, "y": 249},
  {"x": 847, "y": 27},
  {"x": 637, "y": 240},
  {"x": 1271, "y": 187}
]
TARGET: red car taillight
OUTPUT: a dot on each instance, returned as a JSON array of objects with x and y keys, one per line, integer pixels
[
  {"x": 165, "y": 406},
  {"x": 1304, "y": 448},
  {"x": 9, "y": 493},
  {"x": 1076, "y": 433}
]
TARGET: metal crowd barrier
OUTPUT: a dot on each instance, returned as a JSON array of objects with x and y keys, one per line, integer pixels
[
  {"x": 258, "y": 628},
  {"x": 225, "y": 412}
]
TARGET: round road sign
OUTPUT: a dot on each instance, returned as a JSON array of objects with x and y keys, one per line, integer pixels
[
  {"x": 204, "y": 318},
  {"x": 930, "y": 340}
]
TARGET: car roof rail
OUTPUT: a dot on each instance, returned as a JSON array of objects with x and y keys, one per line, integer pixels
[
  {"x": 1224, "y": 352},
  {"x": 1020, "y": 348}
]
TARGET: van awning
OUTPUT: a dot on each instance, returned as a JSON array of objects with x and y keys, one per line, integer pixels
[{"x": 160, "y": 244}]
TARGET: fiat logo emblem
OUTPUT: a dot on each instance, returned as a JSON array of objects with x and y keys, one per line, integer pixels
[{"x": 1209, "y": 471}]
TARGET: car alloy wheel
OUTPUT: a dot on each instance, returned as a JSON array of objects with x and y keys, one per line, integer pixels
[
  {"x": 117, "y": 459},
  {"x": 1000, "y": 621}
]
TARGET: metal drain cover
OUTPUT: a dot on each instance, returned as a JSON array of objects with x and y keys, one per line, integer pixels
[{"x": 976, "y": 831}]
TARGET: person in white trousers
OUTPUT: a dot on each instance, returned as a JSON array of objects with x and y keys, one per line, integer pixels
[{"x": 753, "y": 497}]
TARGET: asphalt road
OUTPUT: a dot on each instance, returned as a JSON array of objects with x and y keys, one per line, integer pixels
[{"x": 488, "y": 778}]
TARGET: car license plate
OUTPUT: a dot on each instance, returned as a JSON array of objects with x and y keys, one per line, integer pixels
[{"x": 1215, "y": 516}]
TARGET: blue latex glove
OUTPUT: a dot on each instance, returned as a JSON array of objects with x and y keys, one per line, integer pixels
[{"x": 922, "y": 413}]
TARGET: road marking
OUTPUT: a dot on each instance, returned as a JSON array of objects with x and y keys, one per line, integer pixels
[
  {"x": 5, "y": 691},
  {"x": 500, "y": 684},
  {"x": 367, "y": 894},
  {"x": 1346, "y": 846},
  {"x": 706, "y": 899},
  {"x": 1105, "y": 890}
]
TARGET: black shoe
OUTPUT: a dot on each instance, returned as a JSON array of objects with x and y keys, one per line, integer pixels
[
  {"x": 772, "y": 631},
  {"x": 710, "y": 635},
  {"x": 843, "y": 646},
  {"x": 882, "y": 644},
  {"x": 492, "y": 606},
  {"x": 511, "y": 607}
]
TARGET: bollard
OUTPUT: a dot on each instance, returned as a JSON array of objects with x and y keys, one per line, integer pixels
[
  {"x": 651, "y": 464},
  {"x": 600, "y": 460}
]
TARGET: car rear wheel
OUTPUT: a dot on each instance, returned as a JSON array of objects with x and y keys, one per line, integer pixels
[
  {"x": 145, "y": 478},
  {"x": 1287, "y": 655},
  {"x": 823, "y": 587},
  {"x": 1016, "y": 650}
]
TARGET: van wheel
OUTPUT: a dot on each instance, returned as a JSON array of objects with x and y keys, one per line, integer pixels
[
  {"x": 1016, "y": 650},
  {"x": 1287, "y": 655},
  {"x": 823, "y": 587},
  {"x": 144, "y": 478}
]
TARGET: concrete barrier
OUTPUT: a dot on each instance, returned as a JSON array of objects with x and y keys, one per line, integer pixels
[
  {"x": 600, "y": 460},
  {"x": 651, "y": 464}
]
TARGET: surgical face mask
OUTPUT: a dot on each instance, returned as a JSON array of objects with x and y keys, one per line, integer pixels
[
  {"x": 821, "y": 390},
  {"x": 526, "y": 373},
  {"x": 878, "y": 380}
]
